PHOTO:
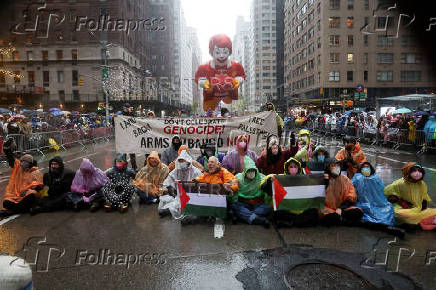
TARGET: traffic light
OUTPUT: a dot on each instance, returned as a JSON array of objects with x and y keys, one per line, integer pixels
[
  {"x": 80, "y": 81},
  {"x": 104, "y": 74}
]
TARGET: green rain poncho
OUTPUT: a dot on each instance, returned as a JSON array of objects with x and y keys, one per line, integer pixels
[{"x": 249, "y": 189}]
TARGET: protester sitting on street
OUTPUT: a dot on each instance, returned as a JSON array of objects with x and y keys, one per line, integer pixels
[
  {"x": 58, "y": 181},
  {"x": 194, "y": 163},
  {"x": 120, "y": 175},
  {"x": 273, "y": 159},
  {"x": 234, "y": 160},
  {"x": 409, "y": 195},
  {"x": 208, "y": 150},
  {"x": 351, "y": 156},
  {"x": 340, "y": 197},
  {"x": 170, "y": 154},
  {"x": 149, "y": 179},
  {"x": 378, "y": 213},
  {"x": 86, "y": 187},
  {"x": 249, "y": 203},
  {"x": 320, "y": 155},
  {"x": 128, "y": 111},
  {"x": 300, "y": 215},
  {"x": 184, "y": 171},
  {"x": 218, "y": 175},
  {"x": 305, "y": 151},
  {"x": 25, "y": 182}
]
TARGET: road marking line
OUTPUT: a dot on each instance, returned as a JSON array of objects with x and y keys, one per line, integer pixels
[
  {"x": 393, "y": 160},
  {"x": 12, "y": 217}
]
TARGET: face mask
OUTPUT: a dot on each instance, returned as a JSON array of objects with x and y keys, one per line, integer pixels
[
  {"x": 242, "y": 145},
  {"x": 25, "y": 165},
  {"x": 120, "y": 165},
  {"x": 321, "y": 158},
  {"x": 275, "y": 151},
  {"x": 293, "y": 171},
  {"x": 250, "y": 174},
  {"x": 416, "y": 175},
  {"x": 183, "y": 165},
  {"x": 366, "y": 171},
  {"x": 336, "y": 170}
]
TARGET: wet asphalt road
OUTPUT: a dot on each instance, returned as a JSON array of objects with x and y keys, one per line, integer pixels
[{"x": 140, "y": 250}]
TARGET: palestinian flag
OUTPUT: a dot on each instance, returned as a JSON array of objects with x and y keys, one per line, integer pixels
[
  {"x": 298, "y": 193},
  {"x": 202, "y": 199}
]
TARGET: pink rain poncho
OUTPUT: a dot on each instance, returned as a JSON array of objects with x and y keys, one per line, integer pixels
[{"x": 88, "y": 178}]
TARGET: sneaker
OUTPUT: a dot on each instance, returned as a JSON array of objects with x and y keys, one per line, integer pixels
[
  {"x": 107, "y": 207},
  {"x": 123, "y": 208},
  {"x": 94, "y": 208},
  {"x": 35, "y": 210},
  {"x": 398, "y": 232}
]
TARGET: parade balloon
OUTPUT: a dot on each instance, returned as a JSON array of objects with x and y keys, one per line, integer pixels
[{"x": 221, "y": 77}]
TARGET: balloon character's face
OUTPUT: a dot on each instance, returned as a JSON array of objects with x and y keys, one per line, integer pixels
[{"x": 221, "y": 53}]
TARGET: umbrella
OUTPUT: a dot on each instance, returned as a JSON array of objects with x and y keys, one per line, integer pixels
[
  {"x": 66, "y": 112},
  {"x": 422, "y": 113},
  {"x": 4, "y": 111},
  {"x": 56, "y": 113},
  {"x": 402, "y": 111},
  {"x": 40, "y": 110},
  {"x": 54, "y": 109},
  {"x": 434, "y": 113}
]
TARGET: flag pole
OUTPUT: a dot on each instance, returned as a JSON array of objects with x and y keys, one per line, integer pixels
[{"x": 274, "y": 193}]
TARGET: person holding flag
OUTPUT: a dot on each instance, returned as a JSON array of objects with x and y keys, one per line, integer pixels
[
  {"x": 296, "y": 197},
  {"x": 249, "y": 203}
]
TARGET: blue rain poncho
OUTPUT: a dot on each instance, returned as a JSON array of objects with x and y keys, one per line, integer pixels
[{"x": 371, "y": 199}]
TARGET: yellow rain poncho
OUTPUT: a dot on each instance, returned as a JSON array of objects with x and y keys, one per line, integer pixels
[{"x": 412, "y": 192}]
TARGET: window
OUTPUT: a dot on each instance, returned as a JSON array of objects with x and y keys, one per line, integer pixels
[
  {"x": 29, "y": 56},
  {"x": 366, "y": 4},
  {"x": 74, "y": 56},
  {"x": 2, "y": 79},
  {"x": 385, "y": 58},
  {"x": 384, "y": 41},
  {"x": 350, "y": 4},
  {"x": 350, "y": 22},
  {"x": 15, "y": 56},
  {"x": 17, "y": 77},
  {"x": 335, "y": 4},
  {"x": 75, "y": 78},
  {"x": 59, "y": 54},
  {"x": 350, "y": 57},
  {"x": 31, "y": 78},
  {"x": 46, "y": 78},
  {"x": 319, "y": 42},
  {"x": 60, "y": 76},
  {"x": 384, "y": 22},
  {"x": 410, "y": 58},
  {"x": 365, "y": 40},
  {"x": 350, "y": 40},
  {"x": 349, "y": 76},
  {"x": 365, "y": 76},
  {"x": 334, "y": 76},
  {"x": 334, "y": 40},
  {"x": 385, "y": 76},
  {"x": 365, "y": 58},
  {"x": 76, "y": 96},
  {"x": 334, "y": 57},
  {"x": 334, "y": 22},
  {"x": 410, "y": 76},
  {"x": 45, "y": 57}
]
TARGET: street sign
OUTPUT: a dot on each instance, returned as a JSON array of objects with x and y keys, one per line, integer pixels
[
  {"x": 104, "y": 74},
  {"x": 356, "y": 95}
]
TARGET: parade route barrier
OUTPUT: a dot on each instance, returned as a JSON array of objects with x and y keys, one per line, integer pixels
[
  {"x": 331, "y": 134},
  {"x": 42, "y": 142}
]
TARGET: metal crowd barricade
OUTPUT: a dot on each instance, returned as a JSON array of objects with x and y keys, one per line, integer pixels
[{"x": 41, "y": 142}]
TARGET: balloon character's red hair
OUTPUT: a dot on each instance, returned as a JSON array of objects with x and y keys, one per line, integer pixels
[{"x": 220, "y": 40}]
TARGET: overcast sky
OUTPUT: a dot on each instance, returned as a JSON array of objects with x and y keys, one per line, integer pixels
[{"x": 210, "y": 17}]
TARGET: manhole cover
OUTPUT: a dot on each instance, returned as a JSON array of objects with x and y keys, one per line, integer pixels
[{"x": 325, "y": 276}]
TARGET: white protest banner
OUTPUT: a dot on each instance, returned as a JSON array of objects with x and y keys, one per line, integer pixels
[{"x": 139, "y": 135}]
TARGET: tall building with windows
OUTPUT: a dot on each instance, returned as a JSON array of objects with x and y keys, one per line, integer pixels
[
  {"x": 262, "y": 78},
  {"x": 60, "y": 50},
  {"x": 241, "y": 53},
  {"x": 332, "y": 47}
]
